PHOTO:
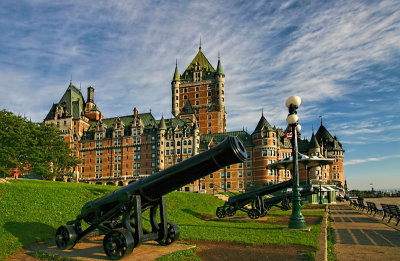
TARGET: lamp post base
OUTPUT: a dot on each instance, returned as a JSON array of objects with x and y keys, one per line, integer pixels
[
  {"x": 297, "y": 223},
  {"x": 296, "y": 220}
]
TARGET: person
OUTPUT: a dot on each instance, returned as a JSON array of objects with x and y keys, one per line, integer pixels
[{"x": 75, "y": 176}]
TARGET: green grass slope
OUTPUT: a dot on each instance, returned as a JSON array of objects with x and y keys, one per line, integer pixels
[{"x": 31, "y": 211}]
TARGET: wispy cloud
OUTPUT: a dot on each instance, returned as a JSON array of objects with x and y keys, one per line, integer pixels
[{"x": 372, "y": 159}]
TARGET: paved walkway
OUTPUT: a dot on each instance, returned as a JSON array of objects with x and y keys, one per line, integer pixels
[{"x": 360, "y": 236}]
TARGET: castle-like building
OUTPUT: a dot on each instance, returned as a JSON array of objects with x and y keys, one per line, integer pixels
[{"x": 123, "y": 149}]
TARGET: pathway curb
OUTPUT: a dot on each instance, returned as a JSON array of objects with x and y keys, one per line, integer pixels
[{"x": 322, "y": 252}]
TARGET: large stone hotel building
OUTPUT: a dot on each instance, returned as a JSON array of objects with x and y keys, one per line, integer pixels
[{"x": 123, "y": 149}]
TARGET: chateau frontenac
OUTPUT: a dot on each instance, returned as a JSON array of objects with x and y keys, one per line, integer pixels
[{"x": 123, "y": 149}]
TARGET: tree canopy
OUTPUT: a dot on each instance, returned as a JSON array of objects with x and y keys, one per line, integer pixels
[{"x": 33, "y": 147}]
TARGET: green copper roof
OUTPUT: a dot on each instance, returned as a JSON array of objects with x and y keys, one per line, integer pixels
[
  {"x": 263, "y": 123},
  {"x": 162, "y": 125},
  {"x": 219, "y": 137},
  {"x": 202, "y": 61},
  {"x": 72, "y": 103},
  {"x": 176, "y": 78},
  {"x": 219, "y": 68},
  {"x": 187, "y": 108}
]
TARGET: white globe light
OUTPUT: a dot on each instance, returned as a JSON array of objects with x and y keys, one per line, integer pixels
[
  {"x": 295, "y": 100},
  {"x": 298, "y": 128},
  {"x": 292, "y": 118}
]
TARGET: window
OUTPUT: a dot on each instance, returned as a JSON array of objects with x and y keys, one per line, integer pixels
[
  {"x": 203, "y": 185},
  {"x": 211, "y": 185},
  {"x": 249, "y": 174},
  {"x": 222, "y": 175},
  {"x": 228, "y": 175},
  {"x": 240, "y": 185},
  {"x": 223, "y": 185},
  {"x": 211, "y": 176},
  {"x": 240, "y": 174}
]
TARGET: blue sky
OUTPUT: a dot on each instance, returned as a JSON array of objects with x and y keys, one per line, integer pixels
[{"x": 341, "y": 57}]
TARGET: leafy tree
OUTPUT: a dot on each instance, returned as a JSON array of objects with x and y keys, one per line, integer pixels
[{"x": 37, "y": 146}]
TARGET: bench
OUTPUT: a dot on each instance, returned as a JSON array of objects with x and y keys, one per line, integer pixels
[
  {"x": 395, "y": 212},
  {"x": 361, "y": 205},
  {"x": 353, "y": 203},
  {"x": 386, "y": 211},
  {"x": 373, "y": 208}
]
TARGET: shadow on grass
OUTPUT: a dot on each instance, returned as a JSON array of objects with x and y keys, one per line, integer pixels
[{"x": 29, "y": 232}]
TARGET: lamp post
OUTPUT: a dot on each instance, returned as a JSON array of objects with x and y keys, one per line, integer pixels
[
  {"x": 296, "y": 220},
  {"x": 320, "y": 189}
]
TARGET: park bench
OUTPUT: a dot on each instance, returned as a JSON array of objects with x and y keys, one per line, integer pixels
[
  {"x": 386, "y": 211},
  {"x": 361, "y": 205},
  {"x": 395, "y": 213},
  {"x": 373, "y": 208}
]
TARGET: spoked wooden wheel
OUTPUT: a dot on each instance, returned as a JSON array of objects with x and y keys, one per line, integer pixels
[
  {"x": 254, "y": 213},
  {"x": 117, "y": 243},
  {"x": 66, "y": 237},
  {"x": 172, "y": 235}
]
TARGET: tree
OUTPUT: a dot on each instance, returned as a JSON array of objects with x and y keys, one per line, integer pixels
[{"x": 39, "y": 147}]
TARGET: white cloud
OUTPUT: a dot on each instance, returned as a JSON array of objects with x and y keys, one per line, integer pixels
[{"x": 372, "y": 159}]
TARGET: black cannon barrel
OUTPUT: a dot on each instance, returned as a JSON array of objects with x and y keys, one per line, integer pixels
[
  {"x": 229, "y": 151},
  {"x": 261, "y": 191}
]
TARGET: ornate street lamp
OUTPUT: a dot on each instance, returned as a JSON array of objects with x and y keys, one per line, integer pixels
[{"x": 296, "y": 219}]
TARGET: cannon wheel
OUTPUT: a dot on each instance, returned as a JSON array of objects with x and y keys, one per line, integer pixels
[
  {"x": 117, "y": 243},
  {"x": 173, "y": 234},
  {"x": 231, "y": 211},
  {"x": 221, "y": 212},
  {"x": 66, "y": 237},
  {"x": 254, "y": 213}
]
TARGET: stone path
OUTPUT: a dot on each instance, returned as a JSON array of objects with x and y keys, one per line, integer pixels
[{"x": 359, "y": 236}]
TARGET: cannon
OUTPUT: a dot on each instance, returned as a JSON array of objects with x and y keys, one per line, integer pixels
[
  {"x": 118, "y": 215},
  {"x": 253, "y": 198},
  {"x": 284, "y": 200}
]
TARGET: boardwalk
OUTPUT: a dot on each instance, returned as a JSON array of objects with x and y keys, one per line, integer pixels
[{"x": 359, "y": 236}]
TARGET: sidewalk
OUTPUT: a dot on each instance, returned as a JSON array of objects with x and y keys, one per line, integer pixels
[{"x": 359, "y": 236}]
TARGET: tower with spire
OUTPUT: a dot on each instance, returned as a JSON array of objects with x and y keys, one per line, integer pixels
[{"x": 198, "y": 94}]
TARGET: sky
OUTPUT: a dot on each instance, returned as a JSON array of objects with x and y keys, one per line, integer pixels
[{"x": 341, "y": 57}]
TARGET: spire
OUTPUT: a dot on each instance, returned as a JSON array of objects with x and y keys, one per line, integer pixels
[
  {"x": 200, "y": 44},
  {"x": 219, "y": 67},
  {"x": 176, "y": 78},
  {"x": 313, "y": 142},
  {"x": 162, "y": 126}
]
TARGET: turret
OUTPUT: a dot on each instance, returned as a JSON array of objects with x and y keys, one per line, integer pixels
[
  {"x": 175, "y": 91},
  {"x": 162, "y": 127},
  {"x": 221, "y": 84}
]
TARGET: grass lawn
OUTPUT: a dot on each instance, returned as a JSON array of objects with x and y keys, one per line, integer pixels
[{"x": 32, "y": 210}]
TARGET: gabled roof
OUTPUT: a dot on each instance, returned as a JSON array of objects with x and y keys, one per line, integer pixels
[
  {"x": 187, "y": 108},
  {"x": 71, "y": 103},
  {"x": 263, "y": 123}
]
